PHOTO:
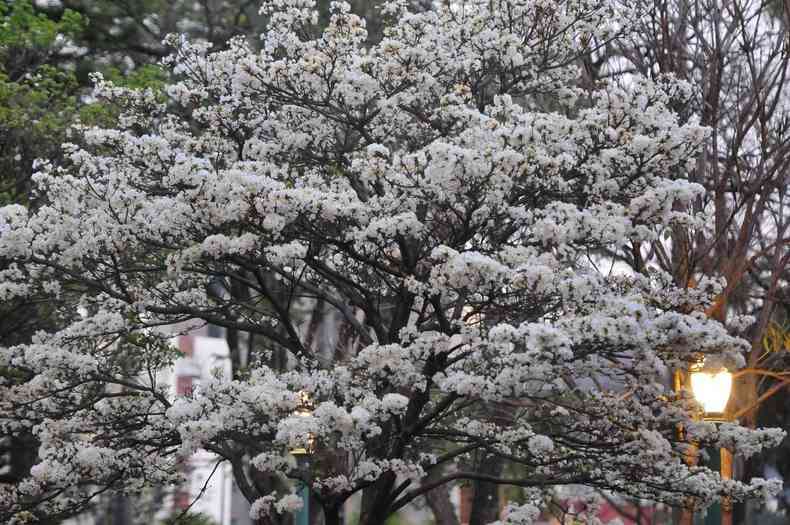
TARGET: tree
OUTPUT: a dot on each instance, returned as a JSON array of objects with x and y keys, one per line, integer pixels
[
  {"x": 413, "y": 187},
  {"x": 47, "y": 51},
  {"x": 39, "y": 101},
  {"x": 736, "y": 57}
]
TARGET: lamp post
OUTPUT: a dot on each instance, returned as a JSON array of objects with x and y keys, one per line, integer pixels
[
  {"x": 303, "y": 465},
  {"x": 303, "y": 459},
  {"x": 712, "y": 390}
]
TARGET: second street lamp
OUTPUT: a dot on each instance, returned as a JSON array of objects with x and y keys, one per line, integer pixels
[{"x": 712, "y": 390}]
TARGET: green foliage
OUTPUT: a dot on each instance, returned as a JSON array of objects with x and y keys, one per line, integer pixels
[
  {"x": 41, "y": 102},
  {"x": 146, "y": 76},
  {"x": 41, "y": 96},
  {"x": 37, "y": 98},
  {"x": 776, "y": 338},
  {"x": 22, "y": 28}
]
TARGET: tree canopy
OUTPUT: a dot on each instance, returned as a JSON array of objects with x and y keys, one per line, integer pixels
[{"x": 417, "y": 186}]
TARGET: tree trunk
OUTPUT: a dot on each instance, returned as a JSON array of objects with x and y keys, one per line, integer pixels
[
  {"x": 439, "y": 501},
  {"x": 375, "y": 501},
  {"x": 485, "y": 504},
  {"x": 332, "y": 515}
]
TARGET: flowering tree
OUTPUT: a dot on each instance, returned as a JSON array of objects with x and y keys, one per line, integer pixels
[
  {"x": 743, "y": 164},
  {"x": 415, "y": 187},
  {"x": 737, "y": 57}
]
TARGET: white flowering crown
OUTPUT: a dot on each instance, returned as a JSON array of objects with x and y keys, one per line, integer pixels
[{"x": 445, "y": 194}]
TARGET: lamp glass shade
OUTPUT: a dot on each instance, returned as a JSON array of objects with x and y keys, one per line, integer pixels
[
  {"x": 711, "y": 390},
  {"x": 305, "y": 409}
]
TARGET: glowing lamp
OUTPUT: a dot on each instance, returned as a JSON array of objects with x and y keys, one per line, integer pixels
[
  {"x": 304, "y": 409},
  {"x": 303, "y": 459},
  {"x": 712, "y": 391}
]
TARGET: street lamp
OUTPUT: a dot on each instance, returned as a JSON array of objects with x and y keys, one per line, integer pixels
[
  {"x": 304, "y": 409},
  {"x": 302, "y": 455},
  {"x": 712, "y": 391}
]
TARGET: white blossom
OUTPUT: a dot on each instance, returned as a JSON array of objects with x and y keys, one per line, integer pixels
[{"x": 407, "y": 237}]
